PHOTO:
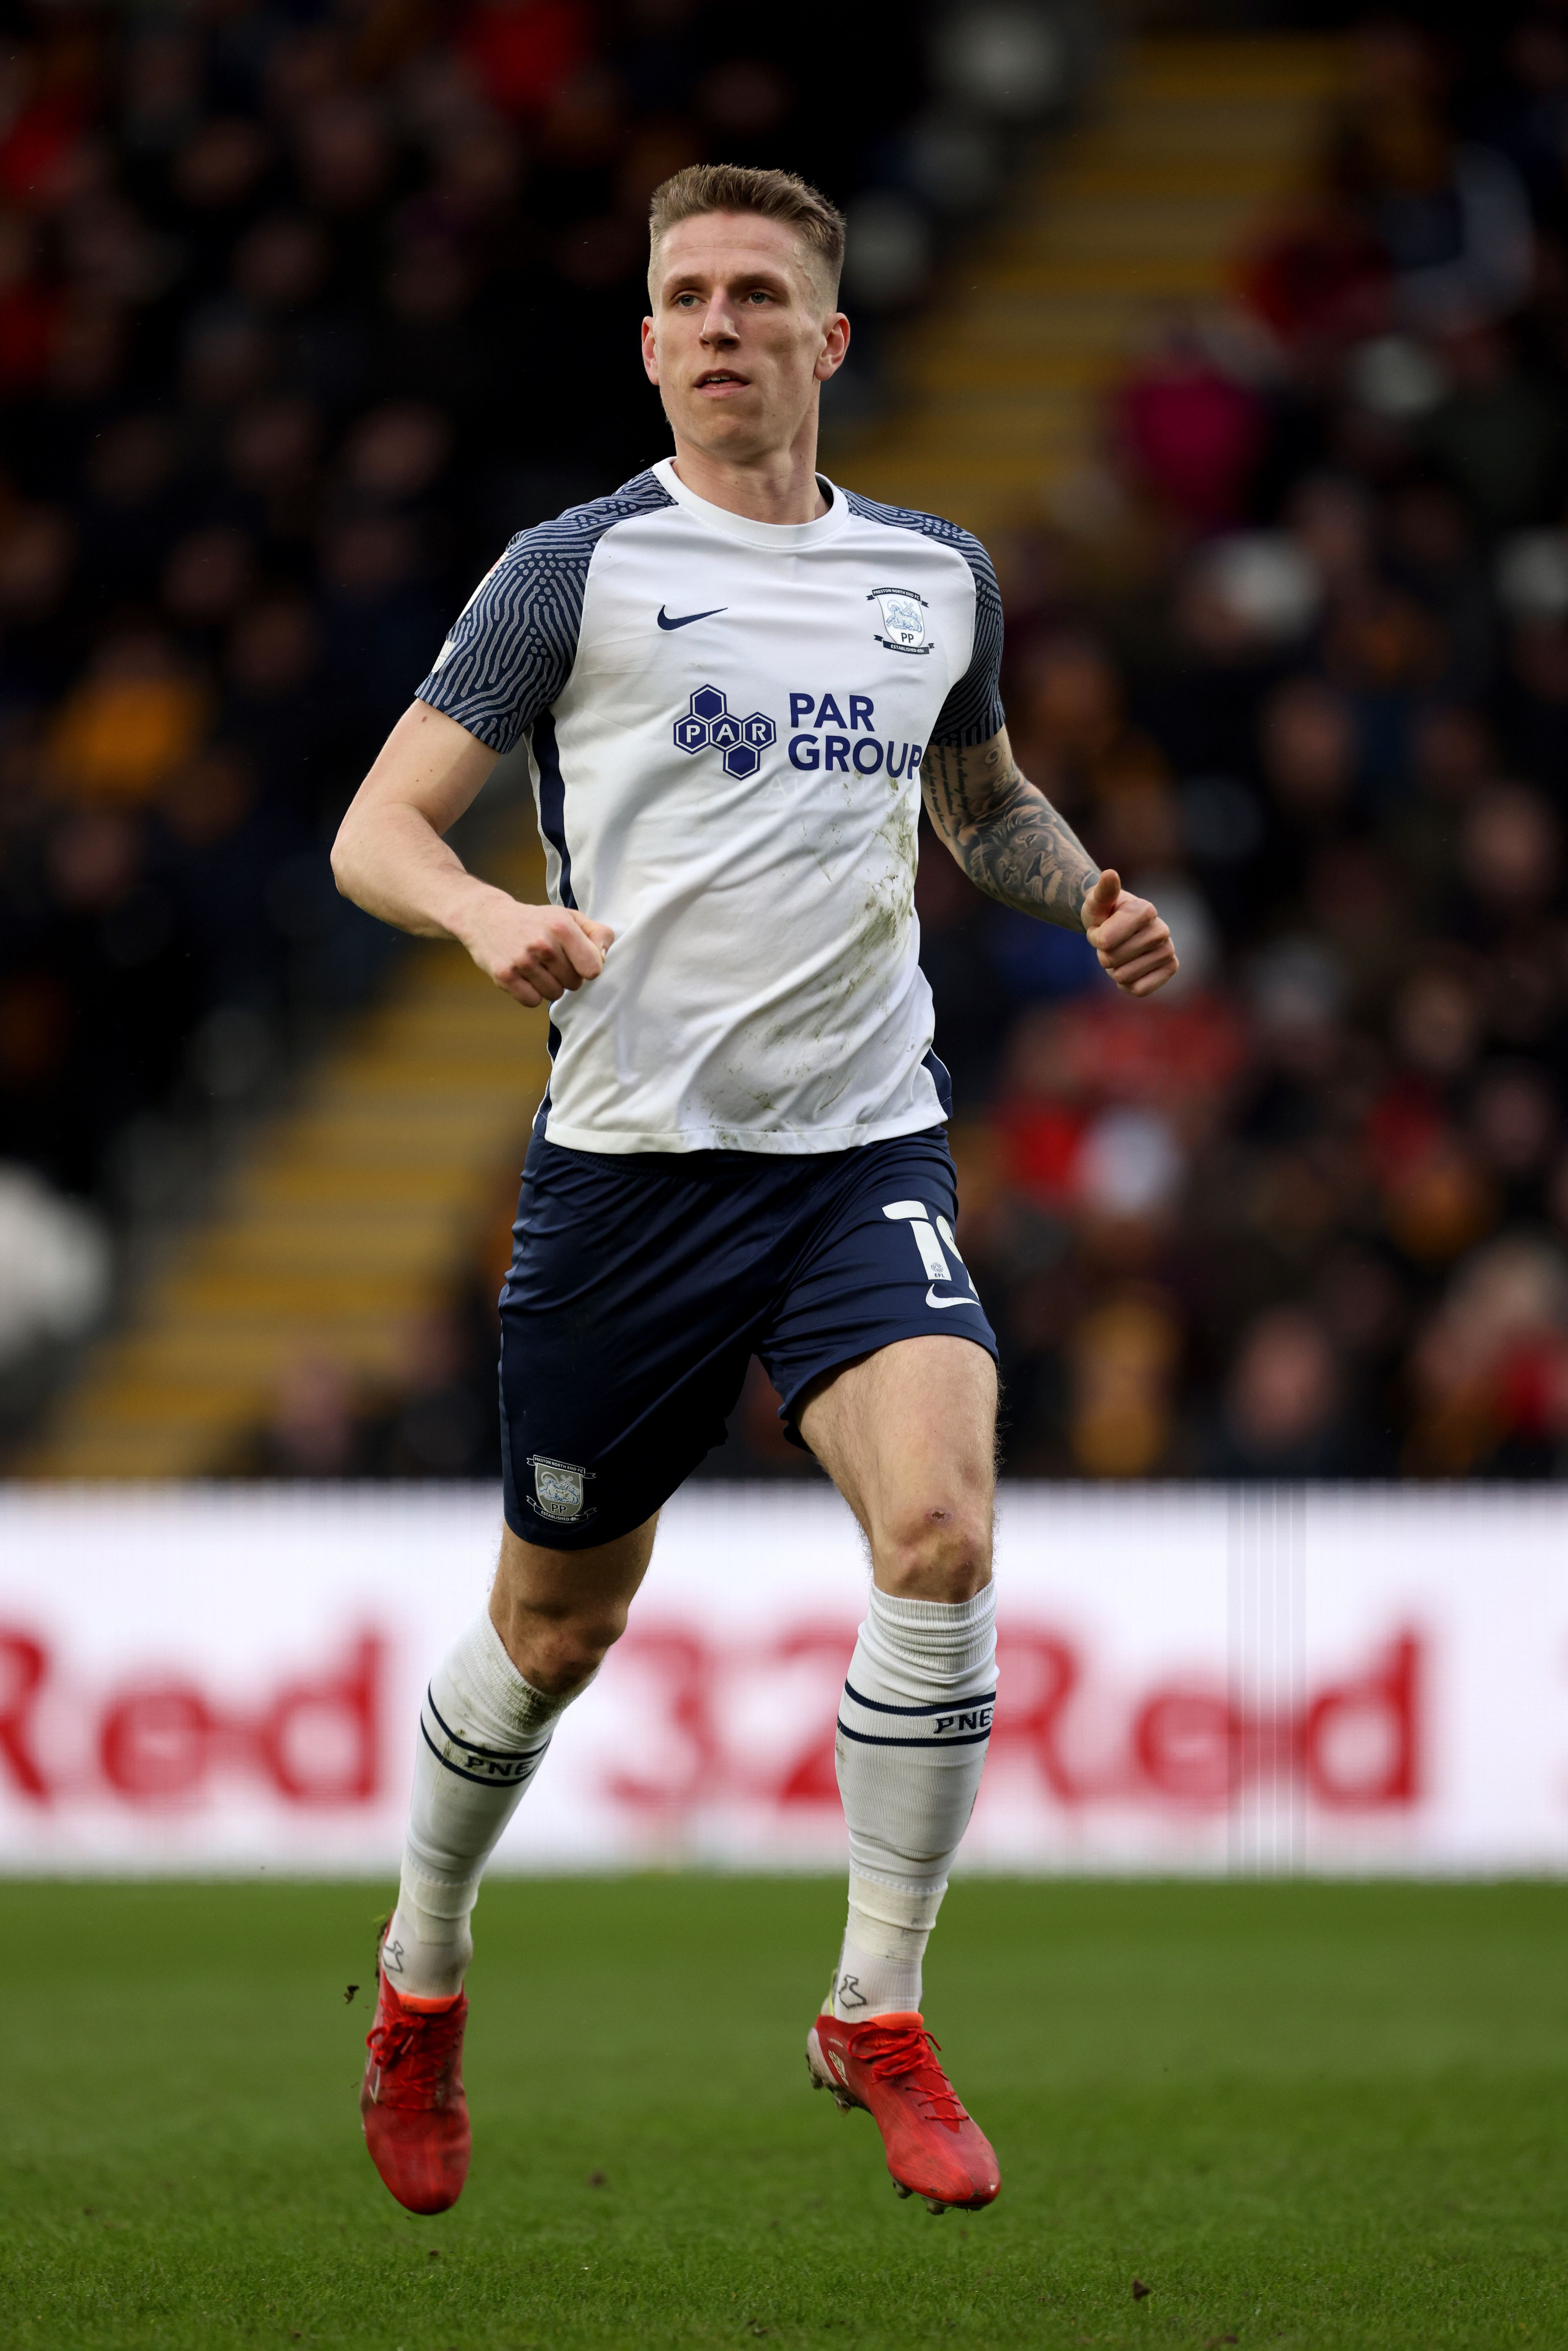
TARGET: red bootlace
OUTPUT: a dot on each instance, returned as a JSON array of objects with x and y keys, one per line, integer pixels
[
  {"x": 420, "y": 2050},
  {"x": 904, "y": 2054}
]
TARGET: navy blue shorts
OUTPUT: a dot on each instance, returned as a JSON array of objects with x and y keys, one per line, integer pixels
[{"x": 641, "y": 1288}]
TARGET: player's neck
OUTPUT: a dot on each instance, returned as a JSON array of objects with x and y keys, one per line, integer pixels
[{"x": 780, "y": 487}]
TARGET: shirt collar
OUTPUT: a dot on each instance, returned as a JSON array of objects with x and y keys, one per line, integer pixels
[{"x": 782, "y": 536}]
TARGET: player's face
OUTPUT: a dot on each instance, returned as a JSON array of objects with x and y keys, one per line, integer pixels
[{"x": 742, "y": 332}]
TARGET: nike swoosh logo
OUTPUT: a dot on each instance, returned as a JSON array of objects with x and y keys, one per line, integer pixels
[
  {"x": 686, "y": 619},
  {"x": 932, "y": 1299}
]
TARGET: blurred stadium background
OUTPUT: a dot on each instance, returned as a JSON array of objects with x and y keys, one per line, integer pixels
[{"x": 1239, "y": 333}]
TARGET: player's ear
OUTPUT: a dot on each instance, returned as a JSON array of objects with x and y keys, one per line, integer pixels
[
  {"x": 650, "y": 351},
  {"x": 835, "y": 344}
]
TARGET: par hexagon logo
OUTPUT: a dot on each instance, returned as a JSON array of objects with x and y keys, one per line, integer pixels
[{"x": 707, "y": 723}]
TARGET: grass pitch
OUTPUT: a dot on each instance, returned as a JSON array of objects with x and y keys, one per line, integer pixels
[{"x": 1298, "y": 2114}]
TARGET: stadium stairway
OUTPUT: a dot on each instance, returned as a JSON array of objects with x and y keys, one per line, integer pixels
[
  {"x": 1137, "y": 212},
  {"x": 364, "y": 1200},
  {"x": 352, "y": 1214}
]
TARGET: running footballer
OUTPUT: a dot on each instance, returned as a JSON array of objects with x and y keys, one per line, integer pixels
[{"x": 735, "y": 681}]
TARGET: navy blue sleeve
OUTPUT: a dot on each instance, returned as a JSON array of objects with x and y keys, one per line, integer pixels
[
  {"x": 973, "y": 712},
  {"x": 513, "y": 645}
]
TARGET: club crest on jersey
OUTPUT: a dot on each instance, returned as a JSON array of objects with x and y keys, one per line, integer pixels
[
  {"x": 903, "y": 618},
  {"x": 559, "y": 1488},
  {"x": 708, "y": 724}
]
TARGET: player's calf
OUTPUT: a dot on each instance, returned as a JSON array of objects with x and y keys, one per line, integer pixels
[
  {"x": 483, "y": 1733},
  {"x": 914, "y": 1722}
]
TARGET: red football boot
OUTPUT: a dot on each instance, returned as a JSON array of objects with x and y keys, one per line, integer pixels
[
  {"x": 935, "y": 2149},
  {"x": 415, "y": 2114}
]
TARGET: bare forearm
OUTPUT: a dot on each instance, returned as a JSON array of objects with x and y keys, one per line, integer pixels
[
  {"x": 390, "y": 857},
  {"x": 1005, "y": 833},
  {"x": 395, "y": 865}
]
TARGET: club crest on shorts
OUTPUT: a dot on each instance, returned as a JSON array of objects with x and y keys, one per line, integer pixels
[
  {"x": 559, "y": 1489},
  {"x": 903, "y": 618}
]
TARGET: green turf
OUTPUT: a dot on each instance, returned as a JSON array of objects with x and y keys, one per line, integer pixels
[{"x": 1299, "y": 2113}]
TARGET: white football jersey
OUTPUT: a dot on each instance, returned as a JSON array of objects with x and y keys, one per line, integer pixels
[{"x": 726, "y": 720}]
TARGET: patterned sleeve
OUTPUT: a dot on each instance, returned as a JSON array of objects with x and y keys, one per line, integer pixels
[
  {"x": 973, "y": 712},
  {"x": 513, "y": 645}
]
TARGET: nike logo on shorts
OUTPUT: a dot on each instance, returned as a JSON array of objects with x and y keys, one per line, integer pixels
[
  {"x": 686, "y": 618},
  {"x": 932, "y": 1299}
]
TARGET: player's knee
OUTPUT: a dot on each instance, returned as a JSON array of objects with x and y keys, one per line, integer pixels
[
  {"x": 561, "y": 1665},
  {"x": 939, "y": 1549},
  {"x": 558, "y": 1651}
]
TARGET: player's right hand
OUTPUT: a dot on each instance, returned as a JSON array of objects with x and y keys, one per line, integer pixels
[{"x": 535, "y": 953}]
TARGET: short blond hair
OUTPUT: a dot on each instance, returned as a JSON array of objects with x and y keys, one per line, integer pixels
[{"x": 739, "y": 188}]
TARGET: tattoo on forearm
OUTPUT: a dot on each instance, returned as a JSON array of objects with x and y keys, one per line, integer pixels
[{"x": 1005, "y": 833}]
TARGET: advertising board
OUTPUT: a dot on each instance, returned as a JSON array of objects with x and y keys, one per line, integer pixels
[{"x": 226, "y": 1678}]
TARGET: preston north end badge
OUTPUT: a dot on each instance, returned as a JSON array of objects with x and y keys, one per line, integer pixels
[
  {"x": 559, "y": 1488},
  {"x": 903, "y": 620}
]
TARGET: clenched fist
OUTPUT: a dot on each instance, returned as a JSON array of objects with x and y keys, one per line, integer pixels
[
  {"x": 534, "y": 952},
  {"x": 1127, "y": 934}
]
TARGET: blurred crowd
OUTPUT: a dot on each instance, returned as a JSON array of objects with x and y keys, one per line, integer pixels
[
  {"x": 303, "y": 306},
  {"x": 1291, "y": 652},
  {"x": 1294, "y": 659}
]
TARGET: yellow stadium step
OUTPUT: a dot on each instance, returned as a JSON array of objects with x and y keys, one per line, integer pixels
[
  {"x": 354, "y": 1212},
  {"x": 1215, "y": 66},
  {"x": 1140, "y": 211}
]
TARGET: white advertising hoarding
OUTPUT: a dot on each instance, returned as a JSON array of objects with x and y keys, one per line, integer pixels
[{"x": 228, "y": 1678}]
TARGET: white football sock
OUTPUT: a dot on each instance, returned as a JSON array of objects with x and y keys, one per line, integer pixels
[
  {"x": 483, "y": 1732},
  {"x": 912, "y": 1730}
]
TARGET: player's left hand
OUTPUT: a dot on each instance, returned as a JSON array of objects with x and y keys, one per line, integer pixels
[{"x": 1127, "y": 934}]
